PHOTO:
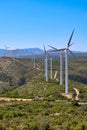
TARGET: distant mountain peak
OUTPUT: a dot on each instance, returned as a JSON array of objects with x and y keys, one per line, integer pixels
[{"x": 20, "y": 52}]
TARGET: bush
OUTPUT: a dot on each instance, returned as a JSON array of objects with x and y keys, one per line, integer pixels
[
  {"x": 21, "y": 81},
  {"x": 78, "y": 127},
  {"x": 74, "y": 103}
]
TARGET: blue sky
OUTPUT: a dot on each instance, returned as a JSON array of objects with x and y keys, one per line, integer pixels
[{"x": 30, "y": 23}]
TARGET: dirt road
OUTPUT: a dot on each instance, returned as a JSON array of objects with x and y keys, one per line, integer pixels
[{"x": 39, "y": 99}]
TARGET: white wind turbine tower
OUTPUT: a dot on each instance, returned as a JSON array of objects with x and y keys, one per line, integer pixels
[
  {"x": 46, "y": 63},
  {"x": 7, "y": 48},
  {"x": 61, "y": 63},
  {"x": 51, "y": 68},
  {"x": 66, "y": 62},
  {"x": 15, "y": 53}
]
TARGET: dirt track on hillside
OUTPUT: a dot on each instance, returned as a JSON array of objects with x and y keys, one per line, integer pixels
[
  {"x": 39, "y": 99},
  {"x": 14, "y": 99}
]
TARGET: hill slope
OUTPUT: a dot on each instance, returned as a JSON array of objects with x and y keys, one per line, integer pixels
[
  {"x": 18, "y": 78},
  {"x": 46, "y": 113}
]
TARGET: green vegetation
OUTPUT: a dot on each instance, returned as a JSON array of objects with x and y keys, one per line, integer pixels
[
  {"x": 38, "y": 115},
  {"x": 26, "y": 82},
  {"x": 48, "y": 110}
]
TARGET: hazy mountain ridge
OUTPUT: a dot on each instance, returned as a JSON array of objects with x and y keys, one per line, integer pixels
[
  {"x": 20, "y": 52},
  {"x": 33, "y": 51}
]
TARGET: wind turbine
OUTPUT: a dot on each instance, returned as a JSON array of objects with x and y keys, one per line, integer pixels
[
  {"x": 66, "y": 60},
  {"x": 61, "y": 63},
  {"x": 46, "y": 63},
  {"x": 7, "y": 48},
  {"x": 15, "y": 53}
]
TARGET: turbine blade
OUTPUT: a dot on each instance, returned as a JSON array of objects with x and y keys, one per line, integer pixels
[
  {"x": 54, "y": 48},
  {"x": 63, "y": 49},
  {"x": 6, "y": 47},
  {"x": 44, "y": 49},
  {"x": 71, "y": 44},
  {"x": 68, "y": 44},
  {"x": 72, "y": 53}
]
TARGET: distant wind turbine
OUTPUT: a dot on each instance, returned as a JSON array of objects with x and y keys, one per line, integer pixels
[
  {"x": 46, "y": 63},
  {"x": 6, "y": 47},
  {"x": 51, "y": 68},
  {"x": 61, "y": 63}
]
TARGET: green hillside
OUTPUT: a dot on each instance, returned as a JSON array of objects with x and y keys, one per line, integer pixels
[
  {"x": 48, "y": 109},
  {"x": 15, "y": 72},
  {"x": 18, "y": 78}
]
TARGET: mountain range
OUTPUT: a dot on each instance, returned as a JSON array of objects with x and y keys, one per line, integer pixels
[
  {"x": 28, "y": 52},
  {"x": 20, "y": 52}
]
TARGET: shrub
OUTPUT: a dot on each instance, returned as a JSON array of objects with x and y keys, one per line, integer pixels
[
  {"x": 78, "y": 127},
  {"x": 21, "y": 81},
  {"x": 74, "y": 103}
]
